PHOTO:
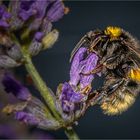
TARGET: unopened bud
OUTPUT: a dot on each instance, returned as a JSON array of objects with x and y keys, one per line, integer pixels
[
  {"x": 49, "y": 40},
  {"x": 7, "y": 62},
  {"x": 14, "y": 52},
  {"x": 35, "y": 48}
]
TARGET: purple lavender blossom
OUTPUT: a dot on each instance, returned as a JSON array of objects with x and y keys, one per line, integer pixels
[
  {"x": 13, "y": 86},
  {"x": 56, "y": 12},
  {"x": 69, "y": 98},
  {"x": 37, "y": 8},
  {"x": 4, "y": 17},
  {"x": 27, "y": 9},
  {"x": 71, "y": 94},
  {"x": 39, "y": 36},
  {"x": 75, "y": 69},
  {"x": 42, "y": 13},
  {"x": 82, "y": 63},
  {"x": 88, "y": 65},
  {"x": 27, "y": 118}
]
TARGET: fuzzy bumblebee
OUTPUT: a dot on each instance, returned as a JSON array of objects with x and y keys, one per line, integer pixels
[{"x": 119, "y": 62}]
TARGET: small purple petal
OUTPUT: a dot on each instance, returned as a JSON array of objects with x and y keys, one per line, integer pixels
[
  {"x": 40, "y": 6},
  {"x": 89, "y": 64},
  {"x": 4, "y": 24},
  {"x": 26, "y": 4},
  {"x": 4, "y": 17},
  {"x": 26, "y": 10},
  {"x": 56, "y": 12},
  {"x": 82, "y": 63},
  {"x": 36, "y": 8},
  {"x": 27, "y": 118},
  {"x": 39, "y": 36},
  {"x": 74, "y": 71},
  {"x": 69, "y": 98},
  {"x": 13, "y": 86},
  {"x": 46, "y": 26},
  {"x": 27, "y": 15}
]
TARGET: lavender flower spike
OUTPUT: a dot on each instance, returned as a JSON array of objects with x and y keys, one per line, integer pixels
[
  {"x": 4, "y": 17},
  {"x": 13, "y": 86},
  {"x": 82, "y": 63}
]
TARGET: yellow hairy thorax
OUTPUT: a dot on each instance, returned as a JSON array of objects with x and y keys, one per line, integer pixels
[{"x": 113, "y": 32}]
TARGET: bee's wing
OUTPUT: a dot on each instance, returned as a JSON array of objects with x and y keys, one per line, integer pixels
[
  {"x": 134, "y": 49},
  {"x": 79, "y": 44}
]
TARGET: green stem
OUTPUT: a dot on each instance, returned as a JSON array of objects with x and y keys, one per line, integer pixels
[
  {"x": 45, "y": 93},
  {"x": 40, "y": 84},
  {"x": 71, "y": 134}
]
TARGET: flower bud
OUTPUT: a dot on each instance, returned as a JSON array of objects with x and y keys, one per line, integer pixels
[
  {"x": 7, "y": 62},
  {"x": 50, "y": 39},
  {"x": 15, "y": 22},
  {"x": 57, "y": 11},
  {"x": 14, "y": 52},
  {"x": 35, "y": 48}
]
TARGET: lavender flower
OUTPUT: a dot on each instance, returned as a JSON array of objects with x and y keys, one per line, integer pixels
[
  {"x": 38, "y": 9},
  {"x": 27, "y": 118},
  {"x": 27, "y": 9},
  {"x": 69, "y": 98},
  {"x": 4, "y": 17},
  {"x": 88, "y": 65},
  {"x": 32, "y": 112},
  {"x": 57, "y": 11},
  {"x": 82, "y": 63},
  {"x": 72, "y": 95},
  {"x": 75, "y": 70},
  {"x": 13, "y": 86}
]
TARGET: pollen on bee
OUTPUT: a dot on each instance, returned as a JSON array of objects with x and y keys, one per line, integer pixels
[
  {"x": 134, "y": 74},
  {"x": 119, "y": 106},
  {"x": 86, "y": 89},
  {"x": 113, "y": 32}
]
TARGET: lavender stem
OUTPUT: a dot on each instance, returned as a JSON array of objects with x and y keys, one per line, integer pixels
[
  {"x": 40, "y": 84},
  {"x": 71, "y": 134}
]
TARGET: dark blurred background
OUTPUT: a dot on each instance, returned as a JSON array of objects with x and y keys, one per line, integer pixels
[{"x": 54, "y": 66}]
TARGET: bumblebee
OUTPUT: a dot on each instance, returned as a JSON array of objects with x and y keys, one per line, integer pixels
[{"x": 119, "y": 62}]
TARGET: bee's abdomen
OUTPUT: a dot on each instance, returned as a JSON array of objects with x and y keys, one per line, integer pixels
[{"x": 118, "y": 102}]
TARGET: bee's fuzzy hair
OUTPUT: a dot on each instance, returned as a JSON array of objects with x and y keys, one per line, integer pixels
[{"x": 118, "y": 103}]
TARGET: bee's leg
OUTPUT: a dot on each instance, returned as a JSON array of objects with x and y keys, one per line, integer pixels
[
  {"x": 79, "y": 44},
  {"x": 110, "y": 87},
  {"x": 95, "y": 70},
  {"x": 83, "y": 40},
  {"x": 94, "y": 43}
]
